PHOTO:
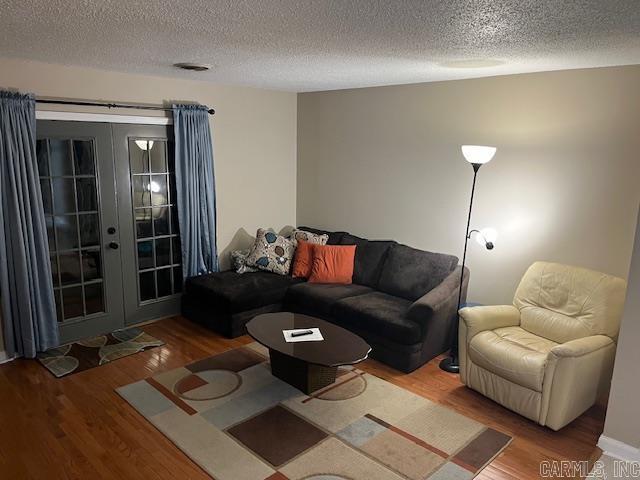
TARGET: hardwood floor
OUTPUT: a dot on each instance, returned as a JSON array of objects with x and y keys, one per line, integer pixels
[{"x": 77, "y": 427}]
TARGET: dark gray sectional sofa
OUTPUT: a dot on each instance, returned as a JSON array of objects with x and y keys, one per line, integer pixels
[{"x": 402, "y": 300}]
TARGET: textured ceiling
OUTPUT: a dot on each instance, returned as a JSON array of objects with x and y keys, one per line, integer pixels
[{"x": 324, "y": 44}]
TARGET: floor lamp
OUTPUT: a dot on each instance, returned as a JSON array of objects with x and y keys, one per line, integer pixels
[{"x": 477, "y": 156}]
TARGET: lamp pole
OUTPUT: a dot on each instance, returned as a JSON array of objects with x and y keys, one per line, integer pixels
[{"x": 450, "y": 364}]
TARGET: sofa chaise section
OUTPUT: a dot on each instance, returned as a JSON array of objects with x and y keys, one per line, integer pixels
[{"x": 226, "y": 301}]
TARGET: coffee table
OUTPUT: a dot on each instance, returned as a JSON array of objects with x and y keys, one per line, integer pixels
[{"x": 308, "y": 366}]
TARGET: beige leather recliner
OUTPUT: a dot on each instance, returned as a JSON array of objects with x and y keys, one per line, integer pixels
[{"x": 549, "y": 356}]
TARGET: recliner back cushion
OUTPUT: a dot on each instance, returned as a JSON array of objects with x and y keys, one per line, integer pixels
[
  {"x": 410, "y": 273},
  {"x": 563, "y": 303},
  {"x": 370, "y": 257}
]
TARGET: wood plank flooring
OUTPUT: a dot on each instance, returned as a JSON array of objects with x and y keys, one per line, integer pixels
[{"x": 77, "y": 427}]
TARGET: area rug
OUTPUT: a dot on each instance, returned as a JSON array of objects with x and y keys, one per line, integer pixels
[
  {"x": 238, "y": 422},
  {"x": 93, "y": 352}
]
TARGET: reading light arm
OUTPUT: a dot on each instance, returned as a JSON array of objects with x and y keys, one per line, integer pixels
[{"x": 487, "y": 244}]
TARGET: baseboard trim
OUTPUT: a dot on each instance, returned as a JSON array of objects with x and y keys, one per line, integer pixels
[{"x": 617, "y": 449}]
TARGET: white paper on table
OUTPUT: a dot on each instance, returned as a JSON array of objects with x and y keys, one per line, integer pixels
[{"x": 316, "y": 336}]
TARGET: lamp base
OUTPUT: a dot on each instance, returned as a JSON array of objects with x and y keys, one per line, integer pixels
[{"x": 450, "y": 364}]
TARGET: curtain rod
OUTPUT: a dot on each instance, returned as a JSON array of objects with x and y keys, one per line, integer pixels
[{"x": 111, "y": 105}]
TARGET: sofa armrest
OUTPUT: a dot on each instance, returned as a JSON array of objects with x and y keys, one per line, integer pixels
[
  {"x": 577, "y": 373},
  {"x": 490, "y": 317},
  {"x": 439, "y": 305}
]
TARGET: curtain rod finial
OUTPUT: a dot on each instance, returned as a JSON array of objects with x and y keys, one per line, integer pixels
[{"x": 211, "y": 111}]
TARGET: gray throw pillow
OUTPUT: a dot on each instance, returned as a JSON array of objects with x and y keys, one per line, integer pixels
[
  {"x": 271, "y": 252},
  {"x": 239, "y": 261},
  {"x": 318, "y": 239}
]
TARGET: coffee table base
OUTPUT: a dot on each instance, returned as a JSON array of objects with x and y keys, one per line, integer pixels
[{"x": 306, "y": 377}]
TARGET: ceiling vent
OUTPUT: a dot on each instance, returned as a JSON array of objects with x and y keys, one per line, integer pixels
[{"x": 194, "y": 67}]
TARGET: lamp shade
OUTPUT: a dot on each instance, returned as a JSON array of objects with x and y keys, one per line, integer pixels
[{"x": 478, "y": 154}]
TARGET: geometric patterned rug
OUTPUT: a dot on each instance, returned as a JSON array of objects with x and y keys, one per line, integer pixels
[
  {"x": 238, "y": 422},
  {"x": 93, "y": 352}
]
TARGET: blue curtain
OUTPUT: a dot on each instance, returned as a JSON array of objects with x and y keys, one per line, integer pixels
[
  {"x": 26, "y": 286},
  {"x": 195, "y": 187}
]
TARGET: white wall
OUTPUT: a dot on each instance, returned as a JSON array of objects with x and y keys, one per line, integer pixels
[
  {"x": 385, "y": 162},
  {"x": 623, "y": 423},
  {"x": 254, "y": 135}
]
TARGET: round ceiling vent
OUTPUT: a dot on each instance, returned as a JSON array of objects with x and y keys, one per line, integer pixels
[{"x": 194, "y": 67}]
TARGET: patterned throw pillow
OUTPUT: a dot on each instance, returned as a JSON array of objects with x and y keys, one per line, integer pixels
[
  {"x": 271, "y": 252},
  {"x": 314, "y": 238},
  {"x": 239, "y": 261}
]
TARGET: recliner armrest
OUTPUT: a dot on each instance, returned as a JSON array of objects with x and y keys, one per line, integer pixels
[
  {"x": 490, "y": 317},
  {"x": 577, "y": 373},
  {"x": 581, "y": 346},
  {"x": 441, "y": 302}
]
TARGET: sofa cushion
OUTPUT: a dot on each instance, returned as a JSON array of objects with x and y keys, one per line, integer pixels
[
  {"x": 321, "y": 297},
  {"x": 513, "y": 361},
  {"x": 378, "y": 313},
  {"x": 370, "y": 257},
  {"x": 410, "y": 273},
  {"x": 334, "y": 237},
  {"x": 231, "y": 292}
]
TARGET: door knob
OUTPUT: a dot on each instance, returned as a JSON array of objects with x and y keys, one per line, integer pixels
[
  {"x": 114, "y": 245},
  {"x": 111, "y": 230}
]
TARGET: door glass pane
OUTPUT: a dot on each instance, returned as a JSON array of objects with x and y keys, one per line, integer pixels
[
  {"x": 86, "y": 195},
  {"x": 89, "y": 229},
  {"x": 72, "y": 302},
  {"x": 141, "y": 191},
  {"x": 93, "y": 298},
  {"x": 143, "y": 223},
  {"x": 66, "y": 231},
  {"x": 46, "y": 196},
  {"x": 177, "y": 279},
  {"x": 83, "y": 157},
  {"x": 147, "y": 286},
  {"x": 175, "y": 226},
  {"x": 139, "y": 156},
  {"x": 54, "y": 270},
  {"x": 50, "y": 233},
  {"x": 158, "y": 187},
  {"x": 163, "y": 252},
  {"x": 70, "y": 268},
  {"x": 164, "y": 282},
  {"x": 63, "y": 195},
  {"x": 158, "y": 158},
  {"x": 58, "y": 295},
  {"x": 43, "y": 158},
  {"x": 161, "y": 221},
  {"x": 91, "y": 265},
  {"x": 175, "y": 248},
  {"x": 60, "y": 157},
  {"x": 172, "y": 187},
  {"x": 145, "y": 255}
]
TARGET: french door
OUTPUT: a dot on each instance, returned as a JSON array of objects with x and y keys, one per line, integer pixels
[{"x": 109, "y": 202}]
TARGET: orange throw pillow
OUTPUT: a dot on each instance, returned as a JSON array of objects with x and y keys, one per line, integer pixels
[
  {"x": 332, "y": 264},
  {"x": 303, "y": 260}
]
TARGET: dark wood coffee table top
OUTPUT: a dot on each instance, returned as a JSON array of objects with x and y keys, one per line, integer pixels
[{"x": 339, "y": 347}]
